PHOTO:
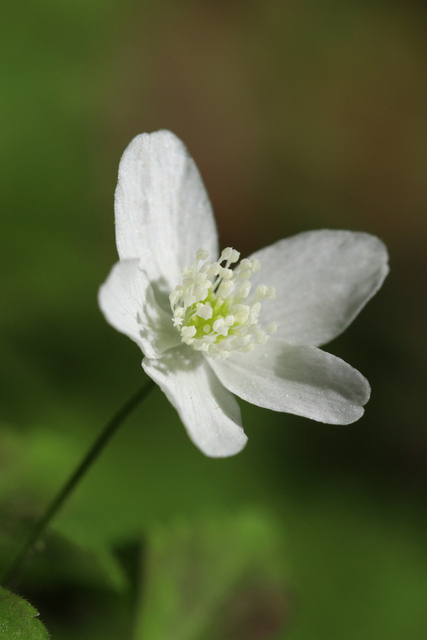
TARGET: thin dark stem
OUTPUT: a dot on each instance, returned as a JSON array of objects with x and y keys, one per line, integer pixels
[{"x": 107, "y": 433}]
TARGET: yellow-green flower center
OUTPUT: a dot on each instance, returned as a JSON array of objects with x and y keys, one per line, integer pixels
[{"x": 212, "y": 308}]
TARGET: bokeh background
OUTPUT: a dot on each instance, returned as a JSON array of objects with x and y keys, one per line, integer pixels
[{"x": 300, "y": 114}]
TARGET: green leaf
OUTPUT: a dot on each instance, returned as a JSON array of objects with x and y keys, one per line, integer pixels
[
  {"x": 220, "y": 577},
  {"x": 19, "y": 619}
]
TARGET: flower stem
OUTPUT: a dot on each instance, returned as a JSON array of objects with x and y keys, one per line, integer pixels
[{"x": 97, "y": 447}]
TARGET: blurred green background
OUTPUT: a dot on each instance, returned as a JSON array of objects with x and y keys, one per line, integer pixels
[{"x": 300, "y": 115}]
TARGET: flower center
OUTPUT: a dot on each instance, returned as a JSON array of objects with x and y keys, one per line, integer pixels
[{"x": 213, "y": 309}]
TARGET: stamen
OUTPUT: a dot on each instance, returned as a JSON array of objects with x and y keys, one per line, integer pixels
[{"x": 208, "y": 308}]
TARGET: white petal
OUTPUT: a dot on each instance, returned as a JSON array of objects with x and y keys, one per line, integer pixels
[
  {"x": 209, "y": 412},
  {"x": 127, "y": 301},
  {"x": 163, "y": 213},
  {"x": 322, "y": 280},
  {"x": 296, "y": 379}
]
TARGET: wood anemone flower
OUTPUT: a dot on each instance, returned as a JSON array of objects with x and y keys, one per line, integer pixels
[{"x": 208, "y": 331}]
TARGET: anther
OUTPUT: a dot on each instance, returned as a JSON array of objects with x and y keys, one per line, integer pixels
[{"x": 207, "y": 306}]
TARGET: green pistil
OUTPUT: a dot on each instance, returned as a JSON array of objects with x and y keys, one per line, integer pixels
[{"x": 220, "y": 308}]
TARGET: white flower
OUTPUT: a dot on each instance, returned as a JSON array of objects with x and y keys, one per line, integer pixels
[{"x": 208, "y": 331}]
